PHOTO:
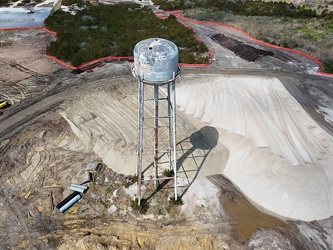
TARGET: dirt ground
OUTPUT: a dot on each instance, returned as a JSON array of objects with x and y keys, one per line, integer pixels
[{"x": 40, "y": 156}]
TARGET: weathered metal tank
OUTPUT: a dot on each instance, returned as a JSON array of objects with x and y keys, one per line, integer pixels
[{"x": 156, "y": 60}]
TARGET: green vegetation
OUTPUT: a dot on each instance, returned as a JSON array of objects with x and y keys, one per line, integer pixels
[
  {"x": 244, "y": 8},
  {"x": 4, "y": 3},
  {"x": 142, "y": 208},
  {"x": 328, "y": 66},
  {"x": 104, "y": 30},
  {"x": 168, "y": 173},
  {"x": 79, "y": 3},
  {"x": 174, "y": 202},
  {"x": 171, "y": 5}
]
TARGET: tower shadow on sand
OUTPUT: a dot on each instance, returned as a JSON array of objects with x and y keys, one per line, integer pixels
[{"x": 192, "y": 153}]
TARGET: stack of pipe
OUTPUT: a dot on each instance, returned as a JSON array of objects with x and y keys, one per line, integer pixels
[
  {"x": 70, "y": 200},
  {"x": 78, "y": 188}
]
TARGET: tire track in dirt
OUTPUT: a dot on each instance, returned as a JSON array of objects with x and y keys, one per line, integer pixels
[{"x": 15, "y": 206}]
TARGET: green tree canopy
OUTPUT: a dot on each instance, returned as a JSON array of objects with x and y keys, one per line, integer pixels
[{"x": 104, "y": 30}]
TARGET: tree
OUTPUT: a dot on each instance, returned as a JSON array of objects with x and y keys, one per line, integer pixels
[{"x": 103, "y": 30}]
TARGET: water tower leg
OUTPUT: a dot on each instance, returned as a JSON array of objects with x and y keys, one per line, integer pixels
[
  {"x": 156, "y": 135},
  {"x": 140, "y": 139},
  {"x": 173, "y": 98},
  {"x": 170, "y": 137}
]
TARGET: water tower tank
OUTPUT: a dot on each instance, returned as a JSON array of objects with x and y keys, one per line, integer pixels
[{"x": 156, "y": 60}]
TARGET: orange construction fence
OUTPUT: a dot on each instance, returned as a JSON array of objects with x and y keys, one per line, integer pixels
[{"x": 180, "y": 18}]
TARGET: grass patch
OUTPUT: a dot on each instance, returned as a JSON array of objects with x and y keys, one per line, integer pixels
[
  {"x": 173, "y": 203},
  {"x": 168, "y": 173},
  {"x": 309, "y": 33},
  {"x": 142, "y": 208}
]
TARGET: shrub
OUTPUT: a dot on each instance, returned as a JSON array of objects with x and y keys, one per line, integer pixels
[
  {"x": 4, "y": 3},
  {"x": 168, "y": 173},
  {"x": 328, "y": 66},
  {"x": 70, "y": 2},
  {"x": 126, "y": 24},
  {"x": 174, "y": 202},
  {"x": 142, "y": 208}
]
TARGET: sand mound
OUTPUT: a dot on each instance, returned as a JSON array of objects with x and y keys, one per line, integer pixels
[
  {"x": 278, "y": 156},
  {"x": 104, "y": 117},
  {"x": 269, "y": 146}
]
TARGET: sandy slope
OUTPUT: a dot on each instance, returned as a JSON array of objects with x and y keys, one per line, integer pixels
[
  {"x": 269, "y": 146},
  {"x": 278, "y": 156},
  {"x": 104, "y": 117}
]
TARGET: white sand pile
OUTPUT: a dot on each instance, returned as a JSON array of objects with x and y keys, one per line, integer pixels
[
  {"x": 203, "y": 198},
  {"x": 269, "y": 146},
  {"x": 104, "y": 117},
  {"x": 278, "y": 156},
  {"x": 105, "y": 120}
]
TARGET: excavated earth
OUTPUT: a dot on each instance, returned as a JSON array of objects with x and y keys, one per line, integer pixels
[{"x": 58, "y": 123}]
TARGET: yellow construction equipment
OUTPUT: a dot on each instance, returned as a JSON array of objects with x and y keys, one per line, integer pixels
[{"x": 3, "y": 103}]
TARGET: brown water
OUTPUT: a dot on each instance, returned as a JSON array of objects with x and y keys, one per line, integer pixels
[{"x": 248, "y": 218}]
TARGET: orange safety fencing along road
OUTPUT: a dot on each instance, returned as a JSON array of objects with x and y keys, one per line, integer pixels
[
  {"x": 129, "y": 58},
  {"x": 179, "y": 16},
  {"x": 61, "y": 62},
  {"x": 50, "y": 31}
]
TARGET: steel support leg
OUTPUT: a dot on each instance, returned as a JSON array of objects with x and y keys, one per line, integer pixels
[
  {"x": 156, "y": 134},
  {"x": 140, "y": 139}
]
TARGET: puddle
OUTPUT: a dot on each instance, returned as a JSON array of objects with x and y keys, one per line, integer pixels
[
  {"x": 25, "y": 136},
  {"x": 248, "y": 218}
]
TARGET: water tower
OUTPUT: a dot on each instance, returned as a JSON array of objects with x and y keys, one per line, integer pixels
[{"x": 156, "y": 69}]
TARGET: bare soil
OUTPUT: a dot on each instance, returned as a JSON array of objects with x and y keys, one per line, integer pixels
[
  {"x": 40, "y": 156},
  {"x": 242, "y": 50}
]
